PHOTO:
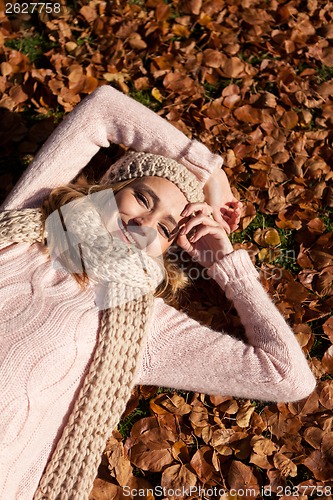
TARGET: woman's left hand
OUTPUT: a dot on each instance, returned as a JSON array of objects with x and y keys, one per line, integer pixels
[
  {"x": 209, "y": 241},
  {"x": 218, "y": 195}
]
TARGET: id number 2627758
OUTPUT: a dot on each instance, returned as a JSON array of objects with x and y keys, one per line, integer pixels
[
  {"x": 318, "y": 490},
  {"x": 30, "y": 8}
]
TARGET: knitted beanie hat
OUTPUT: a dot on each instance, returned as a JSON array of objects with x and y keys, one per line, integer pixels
[
  {"x": 133, "y": 165},
  {"x": 128, "y": 278}
]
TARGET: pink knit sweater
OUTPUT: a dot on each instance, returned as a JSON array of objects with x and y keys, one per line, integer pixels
[{"x": 49, "y": 326}]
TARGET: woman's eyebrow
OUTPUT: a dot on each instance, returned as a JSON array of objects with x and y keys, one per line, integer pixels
[{"x": 156, "y": 201}]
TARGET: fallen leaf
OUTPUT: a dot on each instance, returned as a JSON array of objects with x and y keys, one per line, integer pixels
[{"x": 241, "y": 478}]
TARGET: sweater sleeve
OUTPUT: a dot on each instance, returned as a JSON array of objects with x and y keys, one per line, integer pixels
[
  {"x": 103, "y": 117},
  {"x": 268, "y": 365}
]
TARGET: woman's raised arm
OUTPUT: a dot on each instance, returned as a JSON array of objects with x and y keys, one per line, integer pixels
[
  {"x": 106, "y": 116},
  {"x": 267, "y": 365}
]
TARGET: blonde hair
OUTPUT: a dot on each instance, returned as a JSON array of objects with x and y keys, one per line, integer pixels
[{"x": 175, "y": 278}]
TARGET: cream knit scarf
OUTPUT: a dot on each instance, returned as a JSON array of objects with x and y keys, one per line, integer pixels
[{"x": 128, "y": 278}]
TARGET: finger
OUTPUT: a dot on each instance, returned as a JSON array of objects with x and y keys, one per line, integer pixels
[
  {"x": 234, "y": 203},
  {"x": 237, "y": 219},
  {"x": 196, "y": 207},
  {"x": 226, "y": 227},
  {"x": 204, "y": 230},
  {"x": 217, "y": 215},
  {"x": 195, "y": 221},
  {"x": 185, "y": 244},
  {"x": 222, "y": 220}
]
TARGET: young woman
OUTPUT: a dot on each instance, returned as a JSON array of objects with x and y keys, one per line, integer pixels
[{"x": 65, "y": 365}]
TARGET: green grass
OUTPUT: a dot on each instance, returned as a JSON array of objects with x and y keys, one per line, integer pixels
[
  {"x": 125, "y": 425},
  {"x": 327, "y": 217},
  {"x": 33, "y": 46},
  {"x": 256, "y": 60},
  {"x": 215, "y": 91},
  {"x": 136, "y": 2},
  {"x": 324, "y": 73},
  {"x": 289, "y": 247},
  {"x": 261, "y": 221},
  {"x": 81, "y": 41},
  {"x": 145, "y": 98},
  {"x": 289, "y": 251}
]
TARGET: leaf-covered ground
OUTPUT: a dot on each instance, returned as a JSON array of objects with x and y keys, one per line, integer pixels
[{"x": 253, "y": 80}]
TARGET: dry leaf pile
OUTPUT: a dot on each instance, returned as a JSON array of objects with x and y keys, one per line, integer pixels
[{"x": 253, "y": 80}]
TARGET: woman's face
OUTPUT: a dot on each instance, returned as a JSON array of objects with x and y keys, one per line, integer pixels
[{"x": 149, "y": 209}]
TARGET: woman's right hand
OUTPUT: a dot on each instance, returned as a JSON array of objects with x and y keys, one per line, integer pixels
[{"x": 209, "y": 242}]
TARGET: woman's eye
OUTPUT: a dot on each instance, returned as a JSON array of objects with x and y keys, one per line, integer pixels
[
  {"x": 166, "y": 231},
  {"x": 142, "y": 198}
]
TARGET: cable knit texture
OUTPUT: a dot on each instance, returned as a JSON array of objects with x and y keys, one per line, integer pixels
[
  {"x": 49, "y": 326},
  {"x": 142, "y": 164}
]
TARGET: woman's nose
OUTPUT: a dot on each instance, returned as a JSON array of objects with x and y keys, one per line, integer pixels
[
  {"x": 143, "y": 221},
  {"x": 138, "y": 220}
]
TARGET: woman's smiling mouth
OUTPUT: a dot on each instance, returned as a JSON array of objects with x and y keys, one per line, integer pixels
[{"x": 124, "y": 234}]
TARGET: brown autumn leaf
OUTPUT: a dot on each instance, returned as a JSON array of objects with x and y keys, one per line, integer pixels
[
  {"x": 267, "y": 237},
  {"x": 289, "y": 119},
  {"x": 202, "y": 463},
  {"x": 240, "y": 444},
  {"x": 280, "y": 424},
  {"x": 277, "y": 199},
  {"x": 248, "y": 214},
  {"x": 325, "y": 394},
  {"x": 314, "y": 436},
  {"x": 178, "y": 476},
  {"x": 244, "y": 414},
  {"x": 103, "y": 490},
  {"x": 221, "y": 439},
  {"x": 90, "y": 84},
  {"x": 212, "y": 58},
  {"x": 327, "y": 446},
  {"x": 319, "y": 465},
  {"x": 261, "y": 461},
  {"x": 75, "y": 73},
  {"x": 284, "y": 465},
  {"x": 191, "y": 6},
  {"x": 263, "y": 446},
  {"x": 180, "y": 30},
  {"x": 153, "y": 450},
  {"x": 164, "y": 403},
  {"x": 323, "y": 282},
  {"x": 177, "y": 82},
  {"x": 328, "y": 328},
  {"x": 6, "y": 68},
  {"x": 199, "y": 416},
  {"x": 304, "y": 335},
  {"x": 89, "y": 13},
  {"x": 232, "y": 67},
  {"x": 295, "y": 292},
  {"x": 277, "y": 482},
  {"x": 138, "y": 430},
  {"x": 118, "y": 462},
  {"x": 180, "y": 452},
  {"x": 248, "y": 114},
  {"x": 136, "y": 41},
  {"x": 241, "y": 477},
  {"x": 162, "y": 11},
  {"x": 19, "y": 62}
]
